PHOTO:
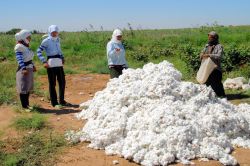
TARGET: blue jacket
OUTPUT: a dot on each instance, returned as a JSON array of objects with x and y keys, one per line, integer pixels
[
  {"x": 51, "y": 47},
  {"x": 114, "y": 57}
]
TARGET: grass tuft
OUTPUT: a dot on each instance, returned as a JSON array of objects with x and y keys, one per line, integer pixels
[{"x": 36, "y": 122}]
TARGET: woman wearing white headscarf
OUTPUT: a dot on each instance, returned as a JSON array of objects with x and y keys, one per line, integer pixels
[
  {"x": 54, "y": 65},
  {"x": 116, "y": 54},
  {"x": 24, "y": 75}
]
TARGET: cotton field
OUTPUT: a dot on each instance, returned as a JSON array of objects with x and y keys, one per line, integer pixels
[{"x": 152, "y": 117}]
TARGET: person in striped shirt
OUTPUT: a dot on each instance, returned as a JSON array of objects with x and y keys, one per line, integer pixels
[
  {"x": 54, "y": 65},
  {"x": 24, "y": 74}
]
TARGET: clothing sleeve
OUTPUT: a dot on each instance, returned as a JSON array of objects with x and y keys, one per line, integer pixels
[
  {"x": 42, "y": 47},
  {"x": 61, "y": 53},
  {"x": 126, "y": 63},
  {"x": 19, "y": 56},
  {"x": 203, "y": 51},
  {"x": 110, "y": 51},
  {"x": 219, "y": 53}
]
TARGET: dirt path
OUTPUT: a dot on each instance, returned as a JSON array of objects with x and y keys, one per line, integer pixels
[
  {"x": 80, "y": 88},
  {"x": 7, "y": 116}
]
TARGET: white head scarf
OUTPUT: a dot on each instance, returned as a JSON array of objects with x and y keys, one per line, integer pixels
[
  {"x": 22, "y": 35},
  {"x": 117, "y": 32},
  {"x": 53, "y": 28}
]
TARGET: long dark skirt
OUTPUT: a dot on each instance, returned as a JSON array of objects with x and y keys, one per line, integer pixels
[{"x": 214, "y": 80}]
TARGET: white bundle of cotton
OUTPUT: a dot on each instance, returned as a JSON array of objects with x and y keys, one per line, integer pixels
[{"x": 150, "y": 116}]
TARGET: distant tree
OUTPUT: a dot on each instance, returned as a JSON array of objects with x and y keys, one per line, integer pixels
[
  {"x": 13, "y": 31},
  {"x": 35, "y": 31}
]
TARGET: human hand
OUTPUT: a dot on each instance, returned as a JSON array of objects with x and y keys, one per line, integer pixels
[
  {"x": 46, "y": 65},
  {"x": 25, "y": 72},
  {"x": 34, "y": 69},
  {"x": 205, "y": 56}
]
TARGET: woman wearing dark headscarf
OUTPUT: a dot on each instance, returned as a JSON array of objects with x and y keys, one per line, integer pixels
[{"x": 214, "y": 50}]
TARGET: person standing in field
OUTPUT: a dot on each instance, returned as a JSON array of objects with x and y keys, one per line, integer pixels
[
  {"x": 214, "y": 50},
  {"x": 54, "y": 65},
  {"x": 24, "y": 74},
  {"x": 116, "y": 55}
]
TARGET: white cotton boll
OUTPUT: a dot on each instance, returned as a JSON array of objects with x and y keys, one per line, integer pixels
[
  {"x": 72, "y": 136},
  {"x": 167, "y": 158},
  {"x": 115, "y": 162},
  {"x": 235, "y": 83},
  {"x": 204, "y": 159},
  {"x": 150, "y": 116},
  {"x": 187, "y": 162},
  {"x": 228, "y": 160},
  {"x": 139, "y": 156},
  {"x": 242, "y": 142},
  {"x": 115, "y": 148},
  {"x": 245, "y": 87}
]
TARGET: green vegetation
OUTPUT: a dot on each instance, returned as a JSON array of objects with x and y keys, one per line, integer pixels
[
  {"x": 37, "y": 121},
  {"x": 7, "y": 82},
  {"x": 86, "y": 51},
  {"x": 37, "y": 148}
]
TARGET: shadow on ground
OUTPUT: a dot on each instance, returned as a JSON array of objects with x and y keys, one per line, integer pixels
[
  {"x": 65, "y": 110},
  {"x": 237, "y": 96}
]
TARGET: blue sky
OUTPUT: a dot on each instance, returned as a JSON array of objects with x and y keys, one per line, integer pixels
[{"x": 76, "y": 15}]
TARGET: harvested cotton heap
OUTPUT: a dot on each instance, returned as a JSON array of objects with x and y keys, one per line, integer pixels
[
  {"x": 236, "y": 83},
  {"x": 150, "y": 116}
]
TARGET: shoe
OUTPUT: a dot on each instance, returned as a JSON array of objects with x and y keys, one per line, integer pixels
[
  {"x": 31, "y": 108},
  {"x": 58, "y": 106},
  {"x": 28, "y": 109},
  {"x": 64, "y": 103}
]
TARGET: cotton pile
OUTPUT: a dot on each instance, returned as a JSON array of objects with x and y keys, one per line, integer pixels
[
  {"x": 152, "y": 117},
  {"x": 236, "y": 83}
]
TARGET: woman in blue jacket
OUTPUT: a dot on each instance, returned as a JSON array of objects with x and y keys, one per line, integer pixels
[
  {"x": 54, "y": 65},
  {"x": 116, "y": 54}
]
